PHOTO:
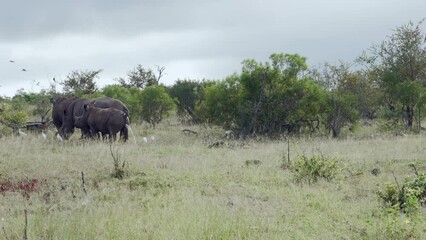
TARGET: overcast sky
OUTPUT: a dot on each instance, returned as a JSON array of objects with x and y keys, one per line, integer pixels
[{"x": 192, "y": 39}]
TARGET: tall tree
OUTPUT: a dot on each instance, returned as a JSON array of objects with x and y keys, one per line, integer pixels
[
  {"x": 141, "y": 77},
  {"x": 341, "y": 79},
  {"x": 345, "y": 89},
  {"x": 186, "y": 94},
  {"x": 224, "y": 106},
  {"x": 277, "y": 92},
  {"x": 156, "y": 104},
  {"x": 81, "y": 83},
  {"x": 400, "y": 63},
  {"x": 129, "y": 96},
  {"x": 340, "y": 111},
  {"x": 267, "y": 98}
]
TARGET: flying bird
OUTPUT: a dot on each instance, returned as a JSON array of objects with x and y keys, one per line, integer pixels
[
  {"x": 54, "y": 79},
  {"x": 11, "y": 61},
  {"x": 24, "y": 70}
]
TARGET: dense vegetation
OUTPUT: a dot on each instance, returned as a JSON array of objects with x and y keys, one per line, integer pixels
[
  {"x": 279, "y": 175},
  {"x": 280, "y": 96}
]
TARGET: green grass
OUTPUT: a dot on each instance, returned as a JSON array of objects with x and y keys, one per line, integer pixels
[{"x": 178, "y": 188}]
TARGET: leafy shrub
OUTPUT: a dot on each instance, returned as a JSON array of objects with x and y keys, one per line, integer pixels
[
  {"x": 396, "y": 226},
  {"x": 417, "y": 188},
  {"x": 391, "y": 195},
  {"x": 129, "y": 96},
  {"x": 12, "y": 116},
  {"x": 311, "y": 169},
  {"x": 407, "y": 198},
  {"x": 119, "y": 171},
  {"x": 156, "y": 104},
  {"x": 25, "y": 185}
]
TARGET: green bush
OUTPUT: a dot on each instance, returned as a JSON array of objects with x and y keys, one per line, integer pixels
[
  {"x": 390, "y": 196},
  {"x": 156, "y": 104},
  {"x": 120, "y": 167},
  {"x": 311, "y": 169},
  {"x": 417, "y": 188},
  {"x": 396, "y": 226},
  {"x": 11, "y": 117},
  {"x": 407, "y": 198}
]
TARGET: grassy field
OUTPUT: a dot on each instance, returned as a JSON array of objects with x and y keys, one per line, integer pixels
[{"x": 179, "y": 188}]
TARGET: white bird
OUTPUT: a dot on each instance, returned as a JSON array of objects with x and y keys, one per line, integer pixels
[
  {"x": 58, "y": 137},
  {"x": 21, "y": 133},
  {"x": 229, "y": 134},
  {"x": 153, "y": 138},
  {"x": 145, "y": 140},
  {"x": 43, "y": 136}
]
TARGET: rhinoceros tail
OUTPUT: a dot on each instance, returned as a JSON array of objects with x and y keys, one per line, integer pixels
[{"x": 124, "y": 133}]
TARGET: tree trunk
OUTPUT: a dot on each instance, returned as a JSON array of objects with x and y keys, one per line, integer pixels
[
  {"x": 192, "y": 115},
  {"x": 258, "y": 105},
  {"x": 335, "y": 131},
  {"x": 409, "y": 111},
  {"x": 420, "y": 121}
]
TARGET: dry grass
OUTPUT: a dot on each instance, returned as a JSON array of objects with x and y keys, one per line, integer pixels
[{"x": 178, "y": 188}]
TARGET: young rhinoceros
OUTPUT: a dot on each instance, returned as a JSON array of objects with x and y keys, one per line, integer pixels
[{"x": 105, "y": 120}]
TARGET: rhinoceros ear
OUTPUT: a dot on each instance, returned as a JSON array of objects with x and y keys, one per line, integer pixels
[
  {"x": 52, "y": 100},
  {"x": 86, "y": 106}
]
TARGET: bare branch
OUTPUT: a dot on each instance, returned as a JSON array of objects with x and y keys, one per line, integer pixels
[{"x": 160, "y": 71}]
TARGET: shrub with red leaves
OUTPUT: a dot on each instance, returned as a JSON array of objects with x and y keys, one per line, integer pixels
[{"x": 26, "y": 186}]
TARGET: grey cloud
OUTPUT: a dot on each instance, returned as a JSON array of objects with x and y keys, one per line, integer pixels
[
  {"x": 189, "y": 37},
  {"x": 38, "y": 19}
]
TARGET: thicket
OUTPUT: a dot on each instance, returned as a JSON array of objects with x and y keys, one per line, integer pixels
[
  {"x": 408, "y": 197},
  {"x": 280, "y": 96},
  {"x": 311, "y": 169}
]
